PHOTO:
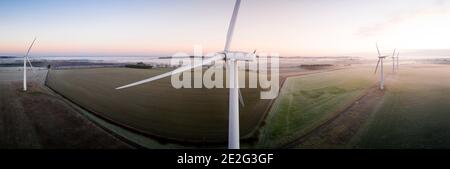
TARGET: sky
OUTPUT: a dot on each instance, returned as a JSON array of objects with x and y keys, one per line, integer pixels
[{"x": 284, "y": 27}]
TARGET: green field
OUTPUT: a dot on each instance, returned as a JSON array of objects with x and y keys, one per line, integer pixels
[
  {"x": 308, "y": 101},
  {"x": 415, "y": 112},
  {"x": 156, "y": 108}
]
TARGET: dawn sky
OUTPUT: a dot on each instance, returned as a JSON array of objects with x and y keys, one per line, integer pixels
[{"x": 287, "y": 27}]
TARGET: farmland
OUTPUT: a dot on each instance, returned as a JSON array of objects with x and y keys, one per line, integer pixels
[
  {"x": 157, "y": 109},
  {"x": 414, "y": 113},
  {"x": 328, "y": 109},
  {"x": 308, "y": 101},
  {"x": 36, "y": 119}
]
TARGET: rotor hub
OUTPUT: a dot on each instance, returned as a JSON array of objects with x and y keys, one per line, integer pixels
[{"x": 240, "y": 56}]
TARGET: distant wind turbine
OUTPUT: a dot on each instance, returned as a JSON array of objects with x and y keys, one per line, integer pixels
[
  {"x": 393, "y": 60},
  {"x": 398, "y": 60},
  {"x": 380, "y": 60},
  {"x": 231, "y": 58},
  {"x": 25, "y": 60}
]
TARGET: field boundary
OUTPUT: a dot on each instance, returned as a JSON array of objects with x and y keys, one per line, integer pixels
[
  {"x": 340, "y": 113},
  {"x": 82, "y": 111},
  {"x": 262, "y": 123}
]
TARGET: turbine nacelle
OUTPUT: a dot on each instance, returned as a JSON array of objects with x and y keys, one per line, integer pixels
[{"x": 240, "y": 56}]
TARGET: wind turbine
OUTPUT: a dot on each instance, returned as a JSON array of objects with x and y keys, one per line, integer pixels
[
  {"x": 397, "y": 60},
  {"x": 380, "y": 59},
  {"x": 231, "y": 58},
  {"x": 393, "y": 60},
  {"x": 25, "y": 59}
]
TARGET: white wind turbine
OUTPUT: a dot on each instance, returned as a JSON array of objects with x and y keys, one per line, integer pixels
[
  {"x": 231, "y": 58},
  {"x": 25, "y": 60},
  {"x": 397, "y": 60},
  {"x": 380, "y": 59},
  {"x": 393, "y": 60}
]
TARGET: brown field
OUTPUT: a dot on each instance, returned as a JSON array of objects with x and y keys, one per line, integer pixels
[
  {"x": 37, "y": 119},
  {"x": 157, "y": 109}
]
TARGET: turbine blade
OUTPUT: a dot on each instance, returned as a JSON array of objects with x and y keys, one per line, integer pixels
[
  {"x": 231, "y": 26},
  {"x": 376, "y": 68},
  {"x": 241, "y": 99},
  {"x": 29, "y": 49},
  {"x": 393, "y": 53},
  {"x": 29, "y": 62},
  {"x": 379, "y": 54},
  {"x": 179, "y": 70}
]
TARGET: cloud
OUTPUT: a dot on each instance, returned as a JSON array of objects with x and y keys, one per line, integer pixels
[{"x": 377, "y": 28}]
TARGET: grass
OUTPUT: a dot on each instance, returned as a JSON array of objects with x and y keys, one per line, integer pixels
[
  {"x": 305, "y": 102},
  {"x": 414, "y": 114},
  {"x": 156, "y": 108}
]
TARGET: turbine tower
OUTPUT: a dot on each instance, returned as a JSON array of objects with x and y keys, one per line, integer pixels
[
  {"x": 393, "y": 61},
  {"x": 231, "y": 58},
  {"x": 398, "y": 60},
  {"x": 380, "y": 60},
  {"x": 25, "y": 60}
]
